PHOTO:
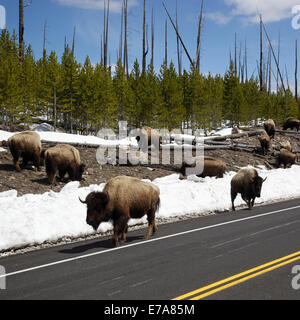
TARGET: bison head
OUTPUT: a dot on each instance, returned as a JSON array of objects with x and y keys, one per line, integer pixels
[
  {"x": 96, "y": 209},
  {"x": 257, "y": 185}
]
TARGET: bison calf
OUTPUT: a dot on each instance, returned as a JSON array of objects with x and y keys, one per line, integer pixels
[
  {"x": 248, "y": 184},
  {"x": 65, "y": 159},
  {"x": 286, "y": 158},
  {"x": 211, "y": 167},
  {"x": 269, "y": 126},
  {"x": 123, "y": 198},
  {"x": 27, "y": 145}
]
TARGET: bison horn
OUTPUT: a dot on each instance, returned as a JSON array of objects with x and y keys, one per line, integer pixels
[
  {"x": 265, "y": 179},
  {"x": 84, "y": 202}
]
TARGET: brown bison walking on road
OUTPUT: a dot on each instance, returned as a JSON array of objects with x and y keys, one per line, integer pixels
[
  {"x": 65, "y": 159},
  {"x": 27, "y": 145},
  {"x": 286, "y": 158},
  {"x": 265, "y": 142},
  {"x": 248, "y": 183},
  {"x": 123, "y": 198},
  {"x": 212, "y": 167},
  {"x": 148, "y": 137},
  {"x": 291, "y": 123},
  {"x": 269, "y": 126}
]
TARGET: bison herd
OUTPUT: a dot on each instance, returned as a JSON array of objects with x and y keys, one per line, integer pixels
[
  {"x": 125, "y": 197},
  {"x": 62, "y": 158}
]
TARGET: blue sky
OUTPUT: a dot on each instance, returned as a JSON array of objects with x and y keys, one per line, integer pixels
[{"x": 222, "y": 19}]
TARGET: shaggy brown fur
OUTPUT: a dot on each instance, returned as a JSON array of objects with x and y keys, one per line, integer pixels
[
  {"x": 269, "y": 126},
  {"x": 148, "y": 137},
  {"x": 291, "y": 123},
  {"x": 265, "y": 142},
  {"x": 123, "y": 198},
  {"x": 27, "y": 145},
  {"x": 286, "y": 158},
  {"x": 248, "y": 184},
  {"x": 65, "y": 159},
  {"x": 286, "y": 145},
  {"x": 212, "y": 167}
]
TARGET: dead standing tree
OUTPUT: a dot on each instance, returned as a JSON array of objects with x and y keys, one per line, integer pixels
[
  {"x": 145, "y": 39},
  {"x": 199, "y": 37},
  {"x": 21, "y": 26}
]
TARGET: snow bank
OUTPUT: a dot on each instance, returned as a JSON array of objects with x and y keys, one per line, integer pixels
[
  {"x": 48, "y": 136},
  {"x": 34, "y": 219}
]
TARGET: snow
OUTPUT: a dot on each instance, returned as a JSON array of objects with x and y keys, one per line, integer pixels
[
  {"x": 2, "y": 150},
  {"x": 48, "y": 136},
  {"x": 34, "y": 219}
]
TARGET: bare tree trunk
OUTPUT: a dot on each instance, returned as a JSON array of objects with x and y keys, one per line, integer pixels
[
  {"x": 287, "y": 78},
  {"x": 235, "y": 58},
  {"x": 121, "y": 35},
  {"x": 152, "y": 39},
  {"x": 144, "y": 41},
  {"x": 105, "y": 32},
  {"x": 246, "y": 61},
  {"x": 261, "y": 57},
  {"x": 21, "y": 27},
  {"x": 177, "y": 33},
  {"x": 166, "y": 43},
  {"x": 125, "y": 57},
  {"x": 44, "y": 38},
  {"x": 178, "y": 44},
  {"x": 278, "y": 59},
  {"x": 198, "y": 53},
  {"x": 296, "y": 70},
  {"x": 270, "y": 74},
  {"x": 277, "y": 64}
]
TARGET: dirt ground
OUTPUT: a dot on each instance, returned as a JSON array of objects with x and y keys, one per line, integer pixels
[{"x": 30, "y": 181}]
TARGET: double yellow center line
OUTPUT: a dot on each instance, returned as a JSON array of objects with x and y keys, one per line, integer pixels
[{"x": 238, "y": 278}]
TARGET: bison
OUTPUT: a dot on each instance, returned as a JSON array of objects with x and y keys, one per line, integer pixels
[
  {"x": 291, "y": 123},
  {"x": 265, "y": 142},
  {"x": 248, "y": 183},
  {"x": 148, "y": 137},
  {"x": 286, "y": 145},
  {"x": 65, "y": 159},
  {"x": 123, "y": 198},
  {"x": 269, "y": 126},
  {"x": 286, "y": 158},
  {"x": 27, "y": 145},
  {"x": 212, "y": 167}
]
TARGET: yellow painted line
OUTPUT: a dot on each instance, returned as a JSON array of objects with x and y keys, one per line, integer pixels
[
  {"x": 231, "y": 284},
  {"x": 215, "y": 284}
]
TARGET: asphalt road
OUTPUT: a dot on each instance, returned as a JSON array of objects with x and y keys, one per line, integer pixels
[{"x": 241, "y": 255}]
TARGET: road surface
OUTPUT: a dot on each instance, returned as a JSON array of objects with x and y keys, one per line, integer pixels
[{"x": 241, "y": 255}]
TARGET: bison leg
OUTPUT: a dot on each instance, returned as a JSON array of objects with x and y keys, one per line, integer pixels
[
  {"x": 252, "y": 202},
  {"x": 152, "y": 228},
  {"x": 120, "y": 229},
  {"x": 62, "y": 173},
  {"x": 16, "y": 157},
  {"x": 233, "y": 196},
  {"x": 246, "y": 200},
  {"x": 123, "y": 237}
]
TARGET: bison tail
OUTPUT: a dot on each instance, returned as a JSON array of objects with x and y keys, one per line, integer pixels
[{"x": 158, "y": 204}]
